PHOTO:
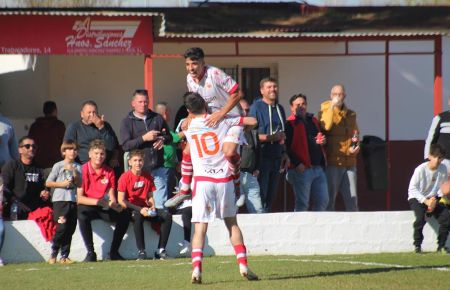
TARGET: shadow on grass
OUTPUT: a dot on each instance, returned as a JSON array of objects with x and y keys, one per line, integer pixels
[
  {"x": 357, "y": 272},
  {"x": 336, "y": 273}
]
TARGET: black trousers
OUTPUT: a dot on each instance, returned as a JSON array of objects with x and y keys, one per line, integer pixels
[
  {"x": 186, "y": 217},
  {"x": 87, "y": 213},
  {"x": 440, "y": 213},
  {"x": 65, "y": 217},
  {"x": 164, "y": 217}
]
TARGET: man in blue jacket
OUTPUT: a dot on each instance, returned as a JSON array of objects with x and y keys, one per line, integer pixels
[{"x": 271, "y": 126}]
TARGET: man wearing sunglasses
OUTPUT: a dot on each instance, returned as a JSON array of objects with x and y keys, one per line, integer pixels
[{"x": 24, "y": 181}]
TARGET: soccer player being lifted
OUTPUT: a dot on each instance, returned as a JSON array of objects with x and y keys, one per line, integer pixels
[
  {"x": 221, "y": 94},
  {"x": 214, "y": 189}
]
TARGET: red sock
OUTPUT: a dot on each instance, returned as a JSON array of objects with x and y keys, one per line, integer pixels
[
  {"x": 197, "y": 257},
  {"x": 241, "y": 254},
  {"x": 186, "y": 173},
  {"x": 234, "y": 163}
]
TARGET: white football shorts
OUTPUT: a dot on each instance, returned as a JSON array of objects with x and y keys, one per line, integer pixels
[{"x": 213, "y": 199}]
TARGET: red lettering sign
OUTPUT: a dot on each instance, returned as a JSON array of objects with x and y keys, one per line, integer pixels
[{"x": 75, "y": 35}]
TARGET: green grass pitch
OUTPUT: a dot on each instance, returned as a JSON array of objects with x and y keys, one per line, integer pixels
[{"x": 374, "y": 271}]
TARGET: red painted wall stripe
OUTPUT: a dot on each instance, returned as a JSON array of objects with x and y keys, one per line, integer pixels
[{"x": 438, "y": 75}]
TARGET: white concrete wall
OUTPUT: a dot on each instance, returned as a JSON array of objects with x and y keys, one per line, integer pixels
[{"x": 306, "y": 233}]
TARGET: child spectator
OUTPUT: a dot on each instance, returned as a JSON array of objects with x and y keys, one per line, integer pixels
[
  {"x": 97, "y": 199},
  {"x": 135, "y": 192},
  {"x": 424, "y": 194},
  {"x": 65, "y": 177}
]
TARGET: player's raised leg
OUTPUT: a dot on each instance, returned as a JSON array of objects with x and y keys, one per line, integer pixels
[{"x": 185, "y": 182}]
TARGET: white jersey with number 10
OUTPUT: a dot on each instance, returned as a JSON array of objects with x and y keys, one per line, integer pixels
[{"x": 206, "y": 144}]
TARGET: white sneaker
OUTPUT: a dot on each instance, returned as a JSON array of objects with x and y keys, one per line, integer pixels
[
  {"x": 1, "y": 262},
  {"x": 185, "y": 248},
  {"x": 196, "y": 276},
  {"x": 247, "y": 273},
  {"x": 241, "y": 200}
]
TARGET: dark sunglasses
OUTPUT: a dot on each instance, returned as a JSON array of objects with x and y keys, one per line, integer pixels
[{"x": 28, "y": 146}]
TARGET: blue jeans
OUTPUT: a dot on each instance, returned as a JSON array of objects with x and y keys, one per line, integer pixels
[
  {"x": 250, "y": 187},
  {"x": 162, "y": 178},
  {"x": 269, "y": 176},
  {"x": 311, "y": 183},
  {"x": 343, "y": 180},
  {"x": 2, "y": 233}
]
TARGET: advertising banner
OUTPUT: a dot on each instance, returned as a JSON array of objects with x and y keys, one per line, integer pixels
[{"x": 75, "y": 35}]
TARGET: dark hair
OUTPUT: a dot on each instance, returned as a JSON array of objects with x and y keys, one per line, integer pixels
[
  {"x": 23, "y": 139},
  {"x": 195, "y": 103},
  {"x": 295, "y": 97},
  {"x": 49, "y": 107},
  {"x": 185, "y": 96},
  {"x": 89, "y": 103},
  {"x": 267, "y": 80},
  {"x": 143, "y": 92},
  {"x": 194, "y": 53},
  {"x": 437, "y": 150}
]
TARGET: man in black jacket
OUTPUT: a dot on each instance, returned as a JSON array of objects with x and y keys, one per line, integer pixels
[
  {"x": 24, "y": 181},
  {"x": 146, "y": 130}
]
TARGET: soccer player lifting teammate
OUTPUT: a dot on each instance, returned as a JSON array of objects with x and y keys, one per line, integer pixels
[
  {"x": 214, "y": 189},
  {"x": 221, "y": 94}
]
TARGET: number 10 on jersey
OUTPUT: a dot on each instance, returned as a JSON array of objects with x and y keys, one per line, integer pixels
[{"x": 202, "y": 147}]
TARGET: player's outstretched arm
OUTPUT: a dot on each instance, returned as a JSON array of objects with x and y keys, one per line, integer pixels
[{"x": 250, "y": 122}]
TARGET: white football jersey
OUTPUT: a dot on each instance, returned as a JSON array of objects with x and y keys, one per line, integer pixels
[
  {"x": 215, "y": 87},
  {"x": 205, "y": 145}
]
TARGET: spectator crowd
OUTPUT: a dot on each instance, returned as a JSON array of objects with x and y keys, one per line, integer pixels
[{"x": 145, "y": 173}]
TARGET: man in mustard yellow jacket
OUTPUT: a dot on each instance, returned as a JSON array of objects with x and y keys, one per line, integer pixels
[{"x": 339, "y": 125}]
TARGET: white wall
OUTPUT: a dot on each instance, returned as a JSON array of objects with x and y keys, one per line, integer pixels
[
  {"x": 445, "y": 72},
  {"x": 305, "y": 233},
  {"x": 411, "y": 80},
  {"x": 169, "y": 83},
  {"x": 108, "y": 80},
  {"x": 363, "y": 77},
  {"x": 23, "y": 93}
]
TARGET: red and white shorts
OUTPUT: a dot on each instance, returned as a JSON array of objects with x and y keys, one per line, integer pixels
[{"x": 213, "y": 199}]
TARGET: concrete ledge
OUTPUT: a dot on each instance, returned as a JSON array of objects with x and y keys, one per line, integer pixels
[{"x": 306, "y": 233}]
